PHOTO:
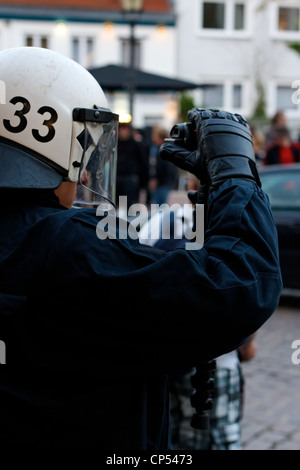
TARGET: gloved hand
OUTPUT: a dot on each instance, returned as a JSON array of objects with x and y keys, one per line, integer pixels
[{"x": 224, "y": 148}]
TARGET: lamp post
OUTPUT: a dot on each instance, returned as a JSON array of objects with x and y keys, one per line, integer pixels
[{"x": 131, "y": 10}]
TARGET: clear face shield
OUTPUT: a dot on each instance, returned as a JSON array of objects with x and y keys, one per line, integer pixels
[{"x": 99, "y": 140}]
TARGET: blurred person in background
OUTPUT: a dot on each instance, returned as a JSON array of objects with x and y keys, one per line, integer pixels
[
  {"x": 163, "y": 176},
  {"x": 224, "y": 431},
  {"x": 258, "y": 139},
  {"x": 282, "y": 150},
  {"x": 278, "y": 120},
  {"x": 131, "y": 166},
  {"x": 140, "y": 136}
]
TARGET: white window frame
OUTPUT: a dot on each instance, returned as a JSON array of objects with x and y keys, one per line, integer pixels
[
  {"x": 228, "y": 86},
  {"x": 228, "y": 30},
  {"x": 37, "y": 39},
  {"x": 83, "y": 49},
  {"x": 274, "y": 12},
  {"x": 272, "y": 98},
  {"x": 245, "y": 87},
  {"x": 231, "y": 85},
  {"x": 125, "y": 52},
  {"x": 212, "y": 82}
]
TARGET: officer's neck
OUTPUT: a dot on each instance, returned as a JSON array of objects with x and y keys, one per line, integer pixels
[{"x": 66, "y": 193}]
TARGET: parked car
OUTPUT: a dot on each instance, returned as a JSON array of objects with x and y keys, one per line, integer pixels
[{"x": 282, "y": 184}]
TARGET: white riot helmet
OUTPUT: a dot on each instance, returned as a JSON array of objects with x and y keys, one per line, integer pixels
[{"x": 55, "y": 124}]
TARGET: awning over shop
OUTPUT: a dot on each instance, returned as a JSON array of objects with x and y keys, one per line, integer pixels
[{"x": 118, "y": 78}]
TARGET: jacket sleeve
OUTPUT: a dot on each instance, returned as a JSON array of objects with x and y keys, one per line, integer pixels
[
  {"x": 207, "y": 302},
  {"x": 135, "y": 304}
]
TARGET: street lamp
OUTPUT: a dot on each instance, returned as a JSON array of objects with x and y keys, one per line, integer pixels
[
  {"x": 134, "y": 6},
  {"x": 131, "y": 10}
]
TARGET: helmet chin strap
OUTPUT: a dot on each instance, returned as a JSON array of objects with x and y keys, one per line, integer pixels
[{"x": 81, "y": 203}]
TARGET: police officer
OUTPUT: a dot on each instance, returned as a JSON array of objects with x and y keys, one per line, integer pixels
[{"x": 93, "y": 327}]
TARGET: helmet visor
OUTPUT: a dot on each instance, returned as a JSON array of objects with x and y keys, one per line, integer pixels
[{"x": 99, "y": 140}]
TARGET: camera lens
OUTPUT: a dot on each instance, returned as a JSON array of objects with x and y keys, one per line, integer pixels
[
  {"x": 180, "y": 131},
  {"x": 185, "y": 135}
]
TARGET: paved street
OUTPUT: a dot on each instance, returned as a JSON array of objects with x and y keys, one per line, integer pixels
[{"x": 272, "y": 402}]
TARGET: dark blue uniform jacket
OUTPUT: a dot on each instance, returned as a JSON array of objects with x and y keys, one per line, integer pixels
[{"x": 92, "y": 328}]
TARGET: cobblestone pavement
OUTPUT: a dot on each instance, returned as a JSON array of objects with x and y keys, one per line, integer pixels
[
  {"x": 271, "y": 418},
  {"x": 272, "y": 392}
]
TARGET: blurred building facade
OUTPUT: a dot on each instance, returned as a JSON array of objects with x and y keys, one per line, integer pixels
[
  {"x": 97, "y": 33},
  {"x": 244, "y": 54}
]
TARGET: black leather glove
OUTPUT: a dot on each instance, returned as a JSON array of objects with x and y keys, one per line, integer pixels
[{"x": 224, "y": 148}]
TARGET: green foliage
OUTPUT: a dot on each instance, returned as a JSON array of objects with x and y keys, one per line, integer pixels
[
  {"x": 260, "y": 107},
  {"x": 186, "y": 103},
  {"x": 295, "y": 46}
]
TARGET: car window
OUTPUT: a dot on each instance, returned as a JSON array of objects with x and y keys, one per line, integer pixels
[{"x": 283, "y": 189}]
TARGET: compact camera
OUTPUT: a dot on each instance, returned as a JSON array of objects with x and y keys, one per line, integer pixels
[{"x": 184, "y": 135}]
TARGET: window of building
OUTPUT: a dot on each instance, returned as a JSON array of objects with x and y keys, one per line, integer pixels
[
  {"x": 75, "y": 49},
  {"x": 288, "y": 19},
  {"x": 227, "y": 16},
  {"x": 213, "y": 15},
  {"x": 229, "y": 95},
  {"x": 285, "y": 19},
  {"x": 284, "y": 98},
  {"x": 212, "y": 96},
  {"x": 83, "y": 50},
  {"x": 239, "y": 16},
  {"x": 36, "y": 40},
  {"x": 126, "y": 52},
  {"x": 153, "y": 120},
  {"x": 237, "y": 101}
]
